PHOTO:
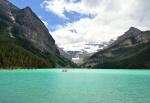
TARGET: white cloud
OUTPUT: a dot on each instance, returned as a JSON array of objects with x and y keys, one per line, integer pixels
[
  {"x": 60, "y": 6},
  {"x": 45, "y": 23},
  {"x": 112, "y": 18},
  {"x": 40, "y": 17},
  {"x": 55, "y": 6}
]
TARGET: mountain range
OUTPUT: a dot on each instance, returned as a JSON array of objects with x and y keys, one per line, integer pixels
[
  {"x": 25, "y": 42},
  {"x": 78, "y": 52},
  {"x": 129, "y": 51}
]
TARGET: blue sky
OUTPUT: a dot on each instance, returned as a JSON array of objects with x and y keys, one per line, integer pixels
[
  {"x": 51, "y": 18},
  {"x": 73, "y": 21}
]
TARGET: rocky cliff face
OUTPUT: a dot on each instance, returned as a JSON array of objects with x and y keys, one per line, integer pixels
[
  {"x": 8, "y": 8},
  {"x": 132, "y": 32},
  {"x": 24, "y": 35},
  {"x": 132, "y": 37},
  {"x": 25, "y": 24},
  {"x": 143, "y": 37},
  {"x": 63, "y": 53}
]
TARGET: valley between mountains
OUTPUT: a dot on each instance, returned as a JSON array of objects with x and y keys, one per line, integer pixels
[{"x": 25, "y": 42}]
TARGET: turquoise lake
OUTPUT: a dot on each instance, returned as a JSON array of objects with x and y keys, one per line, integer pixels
[{"x": 74, "y": 86}]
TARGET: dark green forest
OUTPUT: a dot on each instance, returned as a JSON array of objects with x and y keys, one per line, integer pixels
[
  {"x": 137, "y": 57},
  {"x": 14, "y": 56},
  {"x": 18, "y": 53}
]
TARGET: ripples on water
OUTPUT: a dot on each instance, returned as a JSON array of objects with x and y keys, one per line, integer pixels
[{"x": 75, "y": 86}]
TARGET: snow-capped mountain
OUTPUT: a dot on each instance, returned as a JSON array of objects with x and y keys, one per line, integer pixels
[
  {"x": 81, "y": 50},
  {"x": 84, "y": 46}
]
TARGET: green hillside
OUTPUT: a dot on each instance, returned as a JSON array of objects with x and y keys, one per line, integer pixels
[
  {"x": 137, "y": 57},
  {"x": 15, "y": 56},
  {"x": 133, "y": 55},
  {"x": 18, "y": 53}
]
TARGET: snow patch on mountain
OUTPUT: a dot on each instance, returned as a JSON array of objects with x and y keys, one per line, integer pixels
[
  {"x": 79, "y": 51},
  {"x": 83, "y": 46}
]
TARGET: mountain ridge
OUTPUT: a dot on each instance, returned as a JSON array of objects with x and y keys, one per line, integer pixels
[
  {"x": 129, "y": 52},
  {"x": 130, "y": 33},
  {"x": 26, "y": 23}
]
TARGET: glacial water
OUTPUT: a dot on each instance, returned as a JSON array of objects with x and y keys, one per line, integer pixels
[{"x": 74, "y": 86}]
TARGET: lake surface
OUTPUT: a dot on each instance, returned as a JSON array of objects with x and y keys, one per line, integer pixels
[{"x": 75, "y": 86}]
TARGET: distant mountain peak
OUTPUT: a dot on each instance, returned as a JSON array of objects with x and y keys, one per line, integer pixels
[
  {"x": 129, "y": 51},
  {"x": 133, "y": 30},
  {"x": 27, "y": 8}
]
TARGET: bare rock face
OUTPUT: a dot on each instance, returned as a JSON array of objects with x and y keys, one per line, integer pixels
[
  {"x": 144, "y": 37},
  {"x": 35, "y": 30},
  {"x": 133, "y": 37},
  {"x": 126, "y": 42},
  {"x": 63, "y": 53},
  {"x": 25, "y": 24},
  {"x": 8, "y": 7},
  {"x": 132, "y": 32}
]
